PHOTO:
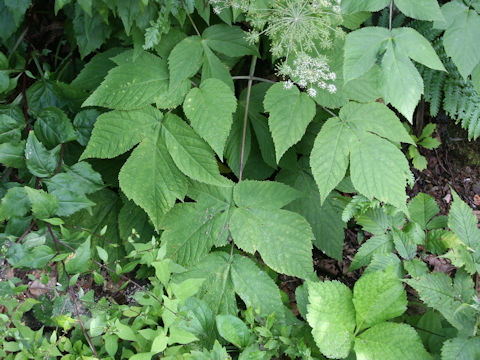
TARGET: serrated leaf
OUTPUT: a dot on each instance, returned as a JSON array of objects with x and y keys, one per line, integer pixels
[
  {"x": 191, "y": 154},
  {"x": 116, "y": 132},
  {"x": 331, "y": 315},
  {"x": 353, "y": 6},
  {"x": 40, "y": 161},
  {"x": 461, "y": 348},
  {"x": 378, "y": 296},
  {"x": 422, "y": 209},
  {"x": 80, "y": 261},
  {"x": 53, "y": 127},
  {"x": 44, "y": 205},
  {"x": 290, "y": 113},
  {"x": 463, "y": 223},
  {"x": 423, "y": 10},
  {"x": 262, "y": 294},
  {"x": 132, "y": 85},
  {"x": 228, "y": 40},
  {"x": 151, "y": 179},
  {"x": 380, "y": 244},
  {"x": 390, "y": 341},
  {"x": 462, "y": 34},
  {"x": 132, "y": 217},
  {"x": 90, "y": 31},
  {"x": 214, "y": 68},
  {"x": 263, "y": 194},
  {"x": 325, "y": 220},
  {"x": 185, "y": 59},
  {"x": 13, "y": 154},
  {"x": 282, "y": 238},
  {"x": 233, "y": 329},
  {"x": 210, "y": 108}
]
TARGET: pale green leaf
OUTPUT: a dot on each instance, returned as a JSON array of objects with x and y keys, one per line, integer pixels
[
  {"x": 124, "y": 332},
  {"x": 420, "y": 9},
  {"x": 329, "y": 157},
  {"x": 44, "y": 205},
  {"x": 132, "y": 85},
  {"x": 462, "y": 36},
  {"x": 390, "y": 341},
  {"x": 380, "y": 244},
  {"x": 256, "y": 288},
  {"x": 422, "y": 209},
  {"x": 283, "y": 239},
  {"x": 40, "y": 161},
  {"x": 80, "y": 261},
  {"x": 116, "y": 132},
  {"x": 263, "y": 194},
  {"x": 228, "y": 40},
  {"x": 191, "y": 154},
  {"x": 378, "y": 296},
  {"x": 331, "y": 315},
  {"x": 214, "y": 68},
  {"x": 174, "y": 96},
  {"x": 210, "y": 108},
  {"x": 185, "y": 59},
  {"x": 290, "y": 113},
  {"x": 463, "y": 223},
  {"x": 461, "y": 348},
  {"x": 379, "y": 169},
  {"x": 353, "y": 6},
  {"x": 151, "y": 179},
  {"x": 233, "y": 329}
]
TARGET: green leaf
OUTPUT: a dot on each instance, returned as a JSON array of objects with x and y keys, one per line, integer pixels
[
  {"x": 378, "y": 296},
  {"x": 132, "y": 85},
  {"x": 44, "y": 205},
  {"x": 37, "y": 257},
  {"x": 463, "y": 223},
  {"x": 390, "y": 341},
  {"x": 461, "y": 348},
  {"x": 290, "y": 113},
  {"x": 40, "y": 161},
  {"x": 199, "y": 321},
  {"x": 360, "y": 130},
  {"x": 70, "y": 202},
  {"x": 423, "y": 10},
  {"x": 10, "y": 129},
  {"x": 325, "y": 220},
  {"x": 15, "y": 203},
  {"x": 185, "y": 59},
  {"x": 422, "y": 209},
  {"x": 124, "y": 332},
  {"x": 282, "y": 238},
  {"x": 151, "y": 179},
  {"x": 380, "y": 244},
  {"x": 256, "y": 288},
  {"x": 90, "y": 31},
  {"x": 462, "y": 36},
  {"x": 210, "y": 108},
  {"x": 13, "y": 154},
  {"x": 228, "y": 40},
  {"x": 263, "y": 194},
  {"x": 53, "y": 127},
  {"x": 18, "y": 9},
  {"x": 190, "y": 153},
  {"x": 80, "y": 178},
  {"x": 234, "y": 330},
  {"x": 214, "y": 68},
  {"x": 80, "y": 262},
  {"x": 116, "y": 132},
  {"x": 353, "y": 6},
  {"x": 132, "y": 217},
  {"x": 331, "y": 315}
]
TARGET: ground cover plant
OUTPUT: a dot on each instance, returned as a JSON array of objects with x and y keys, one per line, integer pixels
[{"x": 173, "y": 172}]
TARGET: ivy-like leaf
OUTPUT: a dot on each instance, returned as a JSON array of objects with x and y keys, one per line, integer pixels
[
  {"x": 15, "y": 203},
  {"x": 151, "y": 179},
  {"x": 53, "y": 127},
  {"x": 210, "y": 108},
  {"x": 191, "y": 154},
  {"x": 360, "y": 130},
  {"x": 40, "y": 161},
  {"x": 132, "y": 85},
  {"x": 118, "y": 131},
  {"x": 290, "y": 113},
  {"x": 13, "y": 154},
  {"x": 10, "y": 129},
  {"x": 331, "y": 315}
]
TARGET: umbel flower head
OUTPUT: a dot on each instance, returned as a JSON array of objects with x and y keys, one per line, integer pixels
[{"x": 299, "y": 29}]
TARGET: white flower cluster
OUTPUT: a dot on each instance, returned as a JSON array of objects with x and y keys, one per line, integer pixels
[
  {"x": 307, "y": 72},
  {"x": 328, "y": 4}
]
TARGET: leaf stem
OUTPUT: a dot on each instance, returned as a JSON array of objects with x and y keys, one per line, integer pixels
[
  {"x": 190, "y": 18},
  {"x": 329, "y": 111},
  {"x": 390, "y": 16},
  {"x": 245, "y": 116},
  {"x": 255, "y": 78}
]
